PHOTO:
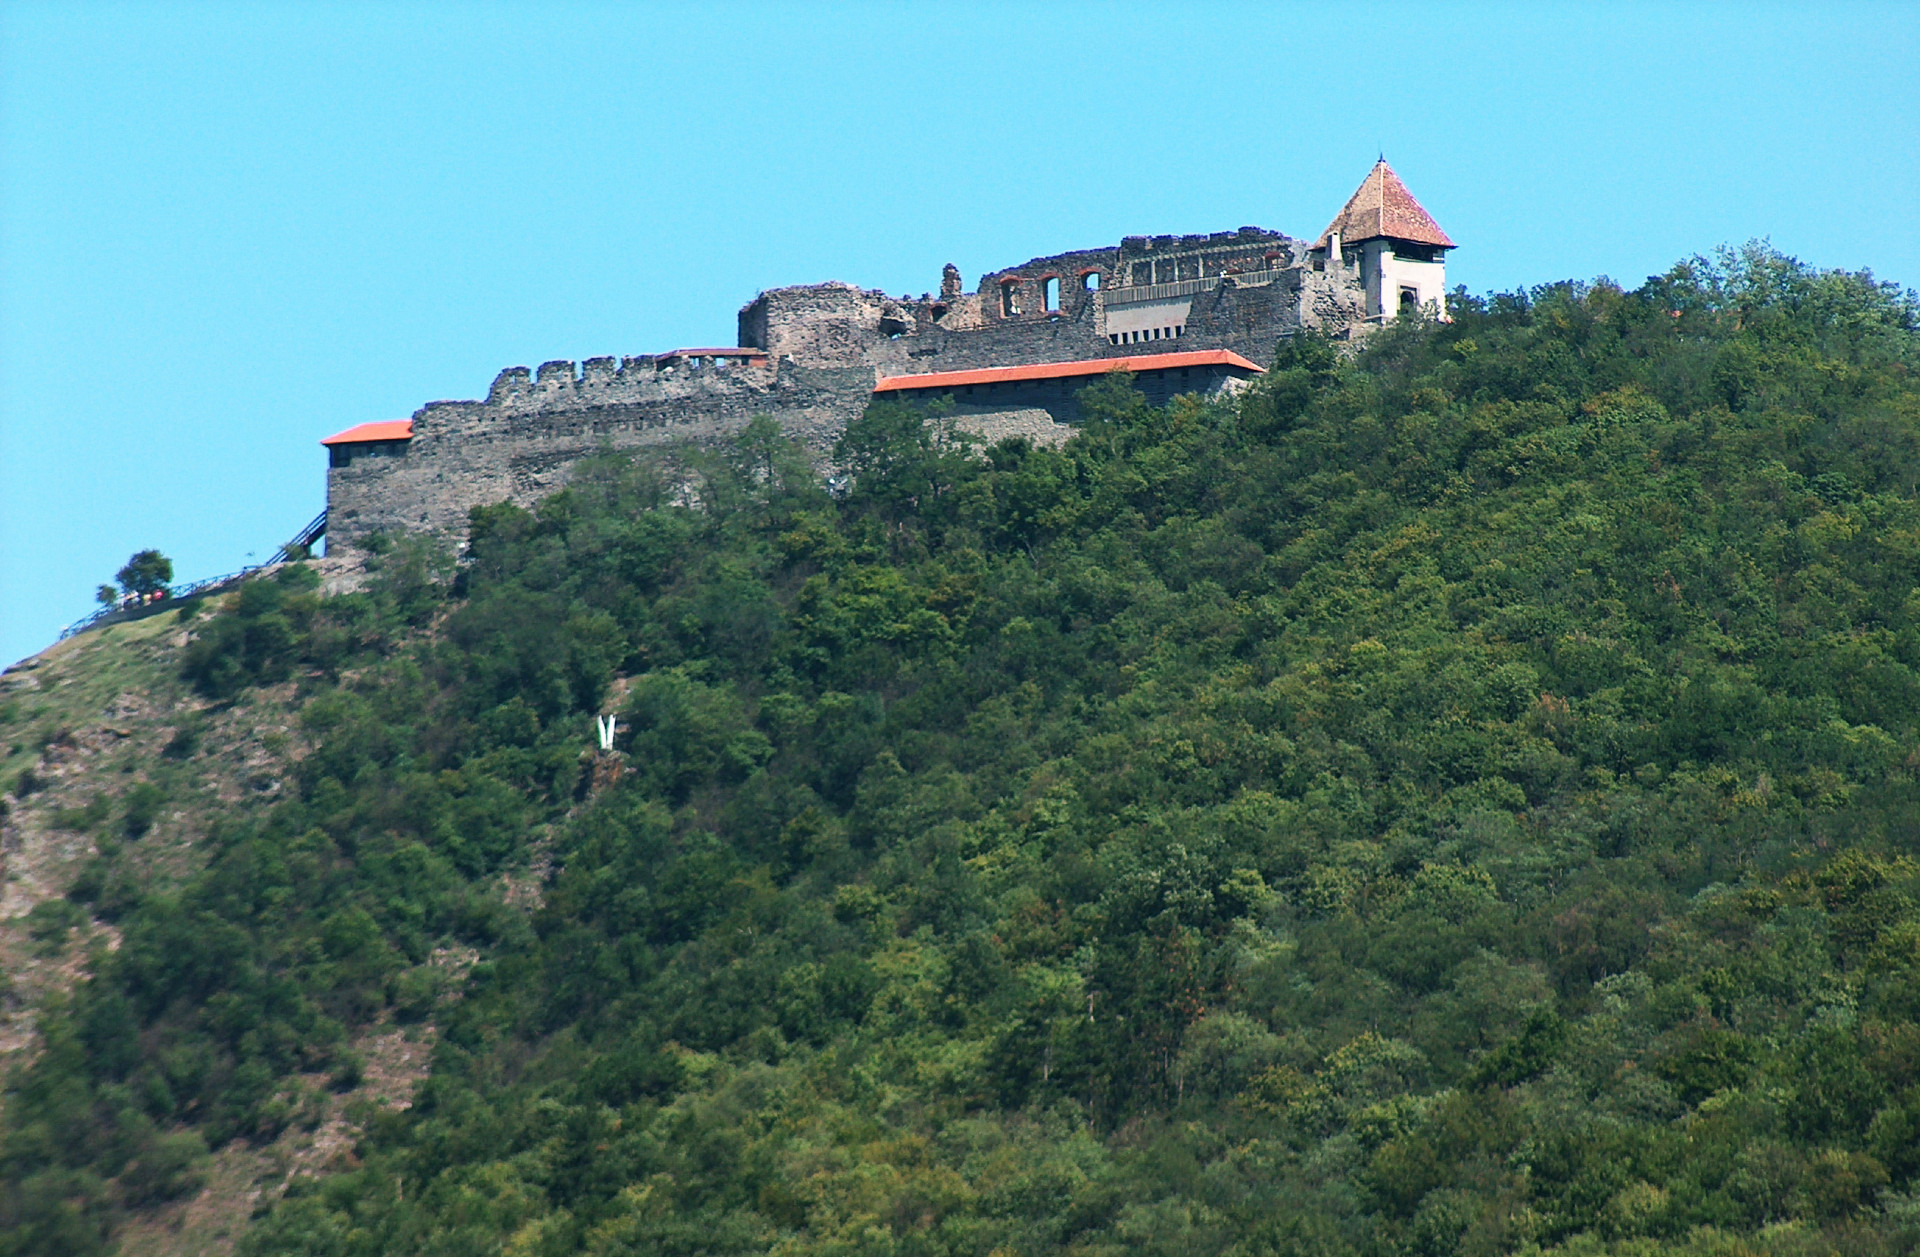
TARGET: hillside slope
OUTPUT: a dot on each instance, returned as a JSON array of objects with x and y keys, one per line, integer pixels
[
  {"x": 1456, "y": 799},
  {"x": 121, "y": 776}
]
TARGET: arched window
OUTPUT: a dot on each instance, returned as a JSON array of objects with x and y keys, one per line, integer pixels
[
  {"x": 1050, "y": 293},
  {"x": 1009, "y": 297},
  {"x": 1409, "y": 298},
  {"x": 1090, "y": 281}
]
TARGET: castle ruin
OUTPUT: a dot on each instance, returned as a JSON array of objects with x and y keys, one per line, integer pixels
[{"x": 1183, "y": 313}]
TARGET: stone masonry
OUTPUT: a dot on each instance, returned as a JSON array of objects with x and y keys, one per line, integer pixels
[
  {"x": 519, "y": 443},
  {"x": 810, "y": 357}
]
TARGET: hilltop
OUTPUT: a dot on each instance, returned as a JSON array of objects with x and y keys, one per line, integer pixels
[{"x": 1456, "y": 796}]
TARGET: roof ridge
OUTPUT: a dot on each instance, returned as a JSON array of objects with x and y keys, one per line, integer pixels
[{"x": 1395, "y": 213}]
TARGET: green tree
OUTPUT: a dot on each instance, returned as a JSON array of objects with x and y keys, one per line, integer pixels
[{"x": 147, "y": 572}]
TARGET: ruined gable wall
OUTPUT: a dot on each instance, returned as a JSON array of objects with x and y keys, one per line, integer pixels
[
  {"x": 1027, "y": 283},
  {"x": 827, "y": 324}
]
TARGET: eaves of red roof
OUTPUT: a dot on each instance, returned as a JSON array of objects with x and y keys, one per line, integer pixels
[
  {"x": 1064, "y": 370},
  {"x": 385, "y": 430}
]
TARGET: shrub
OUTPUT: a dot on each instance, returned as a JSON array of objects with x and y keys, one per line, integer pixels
[{"x": 141, "y": 808}]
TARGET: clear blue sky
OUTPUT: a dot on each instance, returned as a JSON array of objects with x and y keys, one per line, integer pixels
[{"x": 226, "y": 231}]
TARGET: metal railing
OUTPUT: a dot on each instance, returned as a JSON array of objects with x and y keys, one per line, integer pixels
[
  {"x": 1186, "y": 287},
  {"x": 177, "y": 594},
  {"x": 297, "y": 548},
  {"x": 1157, "y": 292}
]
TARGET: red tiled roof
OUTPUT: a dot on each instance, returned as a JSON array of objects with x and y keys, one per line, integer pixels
[
  {"x": 385, "y": 430},
  {"x": 1382, "y": 206},
  {"x": 1062, "y": 370}
]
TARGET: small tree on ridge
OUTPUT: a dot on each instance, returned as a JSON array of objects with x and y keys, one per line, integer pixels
[{"x": 147, "y": 572}]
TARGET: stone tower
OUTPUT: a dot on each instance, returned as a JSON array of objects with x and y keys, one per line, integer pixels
[{"x": 1401, "y": 252}]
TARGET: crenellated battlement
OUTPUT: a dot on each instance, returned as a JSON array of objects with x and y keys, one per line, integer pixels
[{"x": 565, "y": 384}]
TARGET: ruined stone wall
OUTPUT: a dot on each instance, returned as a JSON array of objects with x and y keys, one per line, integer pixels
[
  {"x": 521, "y": 442},
  {"x": 831, "y": 324},
  {"x": 1037, "y": 427},
  {"x": 1025, "y": 287},
  {"x": 1333, "y": 296},
  {"x": 828, "y": 344},
  {"x": 1242, "y": 290}
]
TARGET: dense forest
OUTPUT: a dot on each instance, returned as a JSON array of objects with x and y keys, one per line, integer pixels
[{"x": 1459, "y": 796}]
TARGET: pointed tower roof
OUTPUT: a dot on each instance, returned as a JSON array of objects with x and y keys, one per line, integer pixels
[{"x": 1382, "y": 206}]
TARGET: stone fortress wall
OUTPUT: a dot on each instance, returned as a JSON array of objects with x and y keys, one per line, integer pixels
[
  {"x": 519, "y": 443},
  {"x": 826, "y": 346},
  {"x": 1241, "y": 290},
  {"x": 810, "y": 356}
]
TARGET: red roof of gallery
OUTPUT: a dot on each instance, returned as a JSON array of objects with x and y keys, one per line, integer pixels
[
  {"x": 1061, "y": 370},
  {"x": 385, "y": 430},
  {"x": 1382, "y": 206}
]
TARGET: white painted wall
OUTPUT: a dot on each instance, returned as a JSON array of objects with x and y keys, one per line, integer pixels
[
  {"x": 1386, "y": 275},
  {"x": 1144, "y": 316}
]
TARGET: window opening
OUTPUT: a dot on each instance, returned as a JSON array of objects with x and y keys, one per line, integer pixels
[
  {"x": 1090, "y": 282},
  {"x": 1009, "y": 298},
  {"x": 1050, "y": 293},
  {"x": 1409, "y": 298}
]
